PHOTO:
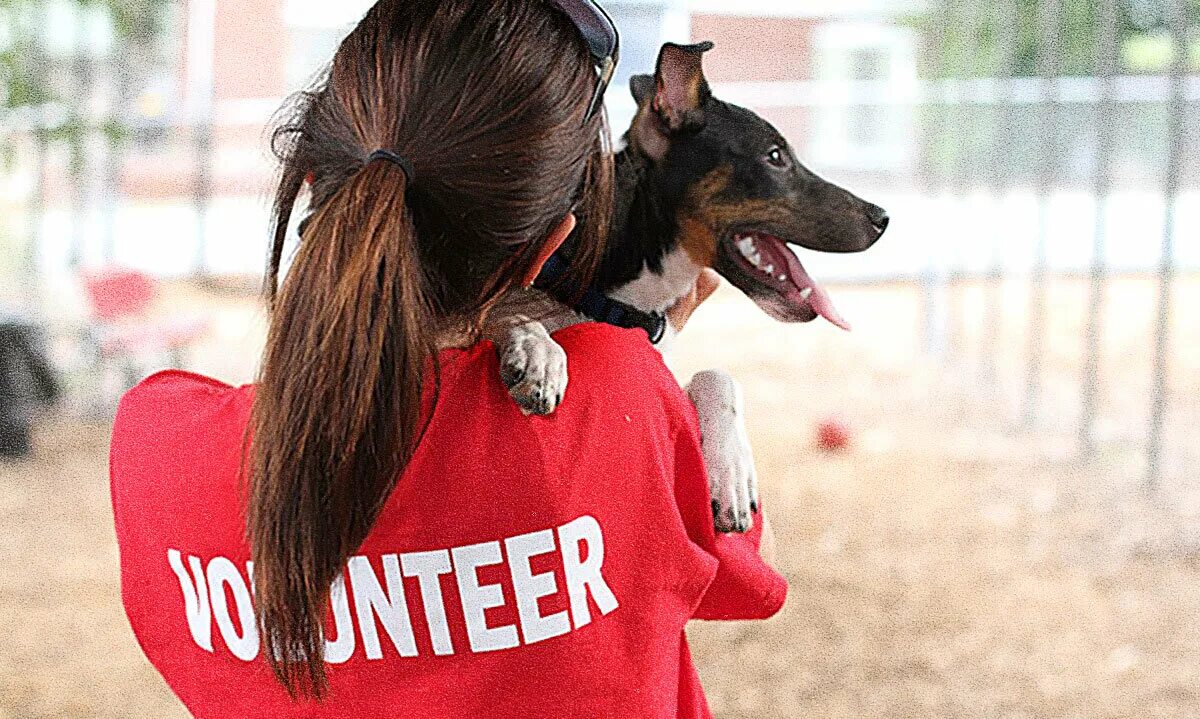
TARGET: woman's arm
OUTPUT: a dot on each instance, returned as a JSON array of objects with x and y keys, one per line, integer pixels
[
  {"x": 708, "y": 283},
  {"x": 766, "y": 545}
]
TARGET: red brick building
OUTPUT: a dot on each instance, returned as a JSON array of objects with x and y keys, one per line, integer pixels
[{"x": 228, "y": 66}]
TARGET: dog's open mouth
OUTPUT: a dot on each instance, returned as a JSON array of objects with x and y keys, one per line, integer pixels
[{"x": 762, "y": 266}]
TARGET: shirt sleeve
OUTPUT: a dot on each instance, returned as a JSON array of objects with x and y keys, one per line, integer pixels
[{"x": 745, "y": 586}]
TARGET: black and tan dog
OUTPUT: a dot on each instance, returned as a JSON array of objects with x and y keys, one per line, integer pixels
[{"x": 701, "y": 183}]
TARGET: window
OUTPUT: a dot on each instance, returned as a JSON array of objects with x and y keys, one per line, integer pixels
[
  {"x": 867, "y": 74},
  {"x": 868, "y": 123},
  {"x": 315, "y": 29}
]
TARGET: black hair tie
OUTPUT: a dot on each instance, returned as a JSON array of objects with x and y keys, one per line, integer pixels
[{"x": 403, "y": 162}]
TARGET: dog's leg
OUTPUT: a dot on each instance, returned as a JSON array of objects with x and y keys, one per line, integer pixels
[
  {"x": 726, "y": 445},
  {"x": 532, "y": 365}
]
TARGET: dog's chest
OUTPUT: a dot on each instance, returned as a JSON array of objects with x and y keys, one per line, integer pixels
[{"x": 654, "y": 292}]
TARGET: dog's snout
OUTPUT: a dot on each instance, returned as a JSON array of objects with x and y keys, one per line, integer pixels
[{"x": 879, "y": 218}]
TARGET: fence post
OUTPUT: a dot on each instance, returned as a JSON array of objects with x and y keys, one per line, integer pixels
[
  {"x": 1049, "y": 67},
  {"x": 933, "y": 280},
  {"x": 1177, "y": 17},
  {"x": 968, "y": 19},
  {"x": 201, "y": 41},
  {"x": 37, "y": 197},
  {"x": 1108, "y": 66},
  {"x": 79, "y": 140},
  {"x": 1006, "y": 18},
  {"x": 115, "y": 148}
]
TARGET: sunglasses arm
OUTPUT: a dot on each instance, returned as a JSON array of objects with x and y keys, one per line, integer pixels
[{"x": 608, "y": 68}]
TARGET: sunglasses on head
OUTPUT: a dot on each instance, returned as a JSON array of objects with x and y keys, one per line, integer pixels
[{"x": 600, "y": 33}]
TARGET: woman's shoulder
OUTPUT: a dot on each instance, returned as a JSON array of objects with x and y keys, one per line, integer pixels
[
  {"x": 174, "y": 396},
  {"x": 175, "y": 413},
  {"x": 621, "y": 359},
  {"x": 599, "y": 338},
  {"x": 176, "y": 381},
  {"x": 603, "y": 346}
]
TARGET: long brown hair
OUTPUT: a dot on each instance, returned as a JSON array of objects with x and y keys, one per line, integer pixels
[{"x": 486, "y": 99}]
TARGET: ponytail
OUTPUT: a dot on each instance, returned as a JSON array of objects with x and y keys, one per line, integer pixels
[
  {"x": 488, "y": 99},
  {"x": 337, "y": 410}
]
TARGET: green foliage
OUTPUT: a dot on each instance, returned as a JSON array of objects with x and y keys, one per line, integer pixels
[
  {"x": 22, "y": 63},
  {"x": 973, "y": 35},
  {"x": 18, "y": 87},
  {"x": 132, "y": 19}
]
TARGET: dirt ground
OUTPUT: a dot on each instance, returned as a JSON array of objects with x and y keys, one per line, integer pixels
[{"x": 952, "y": 563}]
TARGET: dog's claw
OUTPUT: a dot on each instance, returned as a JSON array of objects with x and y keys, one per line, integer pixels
[
  {"x": 731, "y": 521},
  {"x": 540, "y": 404}
]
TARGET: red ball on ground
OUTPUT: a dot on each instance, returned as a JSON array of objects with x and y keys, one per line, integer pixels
[{"x": 833, "y": 435}]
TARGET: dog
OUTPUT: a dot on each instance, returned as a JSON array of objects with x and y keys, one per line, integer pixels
[{"x": 700, "y": 183}]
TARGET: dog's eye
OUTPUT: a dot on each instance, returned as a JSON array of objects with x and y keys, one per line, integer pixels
[{"x": 777, "y": 158}]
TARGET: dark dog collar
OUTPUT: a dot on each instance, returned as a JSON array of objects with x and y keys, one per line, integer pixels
[{"x": 597, "y": 306}]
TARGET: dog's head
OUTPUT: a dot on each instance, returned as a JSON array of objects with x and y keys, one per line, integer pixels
[{"x": 742, "y": 195}]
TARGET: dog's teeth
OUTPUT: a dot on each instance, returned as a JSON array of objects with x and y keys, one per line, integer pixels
[
  {"x": 770, "y": 269},
  {"x": 806, "y": 293},
  {"x": 747, "y": 248},
  {"x": 783, "y": 278}
]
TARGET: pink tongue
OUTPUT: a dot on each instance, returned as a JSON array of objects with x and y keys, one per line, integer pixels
[
  {"x": 819, "y": 300},
  {"x": 823, "y": 305}
]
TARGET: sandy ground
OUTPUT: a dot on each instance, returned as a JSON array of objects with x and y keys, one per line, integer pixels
[{"x": 952, "y": 563}]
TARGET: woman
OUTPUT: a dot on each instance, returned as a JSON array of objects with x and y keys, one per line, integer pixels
[{"x": 374, "y": 529}]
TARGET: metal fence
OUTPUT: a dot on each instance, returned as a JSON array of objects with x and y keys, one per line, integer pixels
[
  {"x": 1005, "y": 131},
  {"x": 1004, "y": 99}
]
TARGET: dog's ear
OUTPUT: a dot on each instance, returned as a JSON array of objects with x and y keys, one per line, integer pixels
[
  {"x": 680, "y": 86},
  {"x": 642, "y": 87},
  {"x": 673, "y": 100}
]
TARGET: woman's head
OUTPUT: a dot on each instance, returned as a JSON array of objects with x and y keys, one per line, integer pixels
[{"x": 487, "y": 100}]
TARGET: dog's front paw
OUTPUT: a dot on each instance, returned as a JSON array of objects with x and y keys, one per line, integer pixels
[
  {"x": 732, "y": 478},
  {"x": 534, "y": 368}
]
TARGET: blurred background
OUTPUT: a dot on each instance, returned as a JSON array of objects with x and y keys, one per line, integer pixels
[{"x": 987, "y": 496}]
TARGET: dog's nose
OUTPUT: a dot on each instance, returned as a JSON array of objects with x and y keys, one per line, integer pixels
[{"x": 879, "y": 218}]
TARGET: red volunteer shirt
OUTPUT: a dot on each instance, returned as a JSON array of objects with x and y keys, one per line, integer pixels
[{"x": 523, "y": 567}]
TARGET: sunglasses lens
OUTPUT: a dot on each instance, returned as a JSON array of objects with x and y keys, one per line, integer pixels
[
  {"x": 594, "y": 25},
  {"x": 604, "y": 43}
]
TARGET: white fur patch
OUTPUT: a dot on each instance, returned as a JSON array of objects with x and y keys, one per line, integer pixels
[{"x": 652, "y": 292}]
